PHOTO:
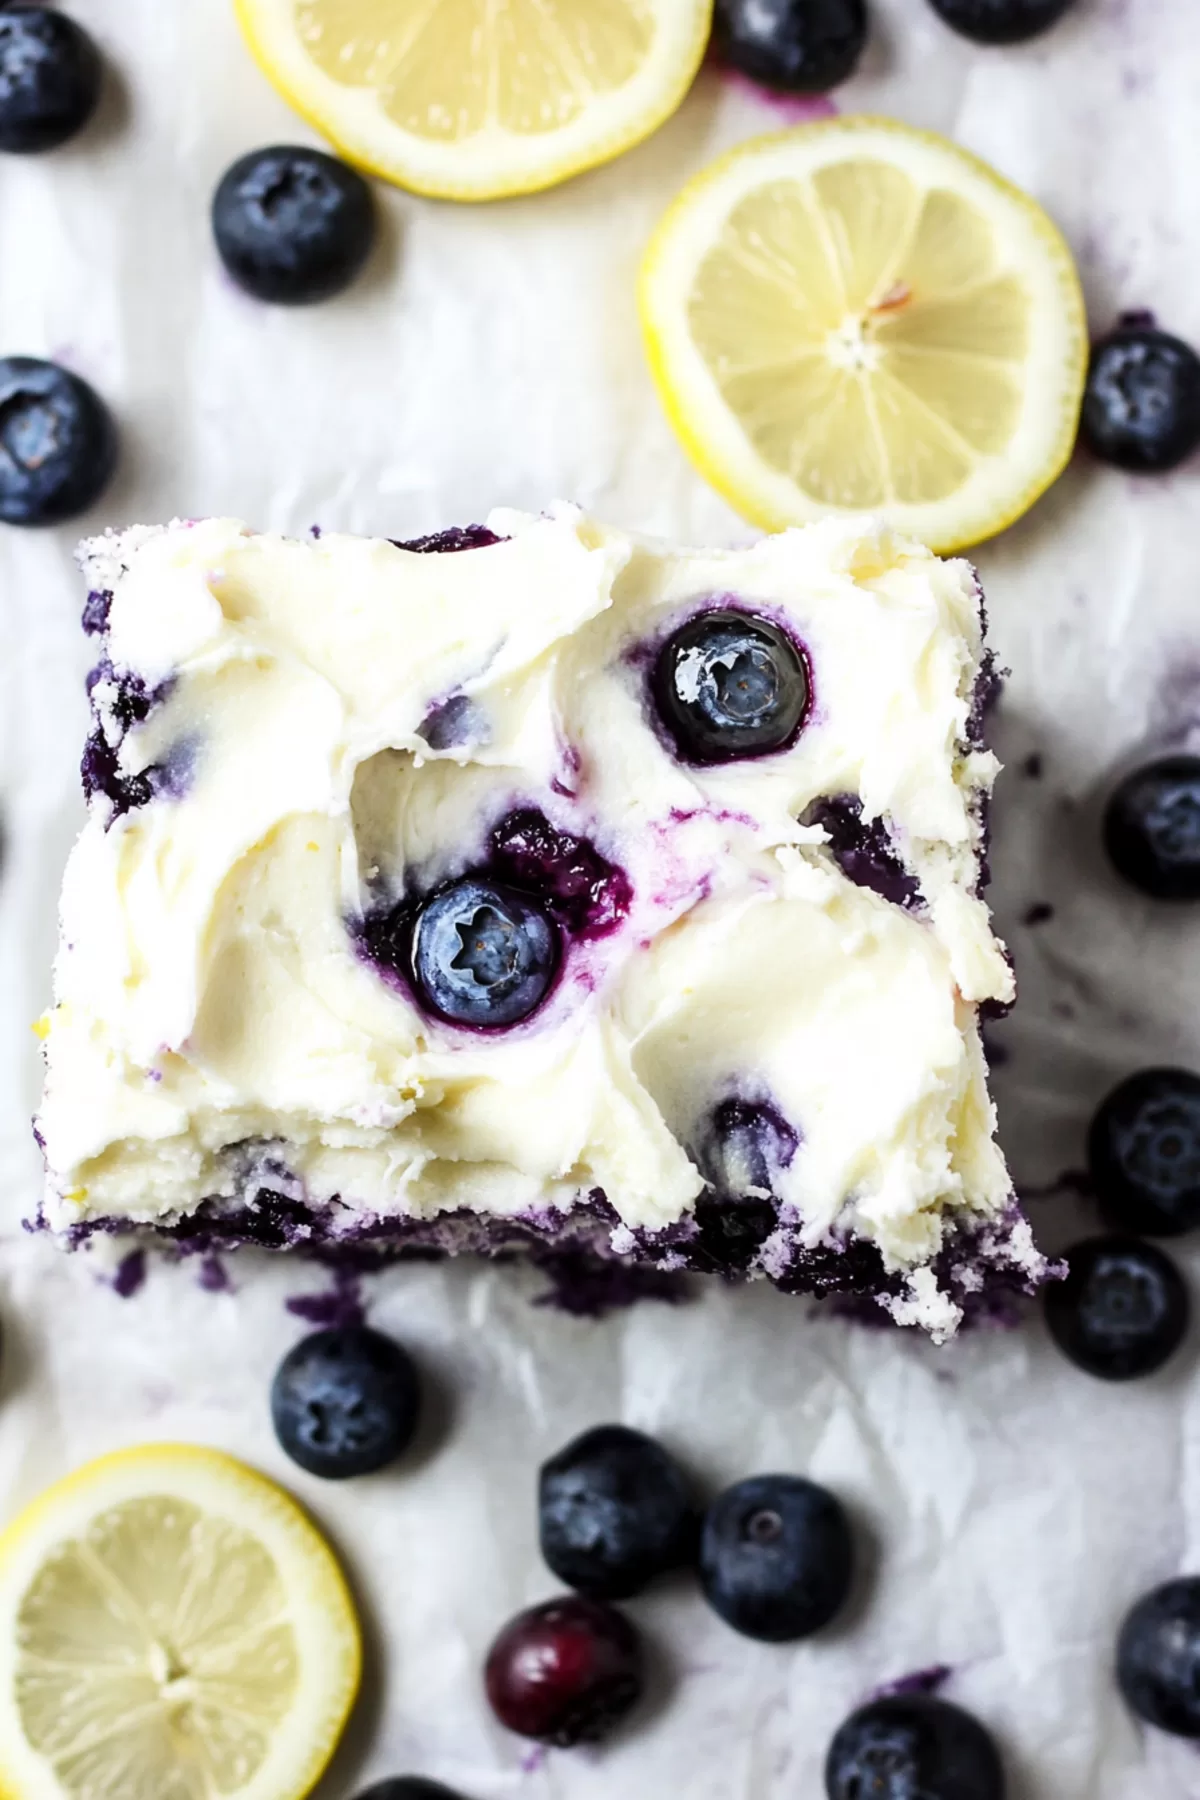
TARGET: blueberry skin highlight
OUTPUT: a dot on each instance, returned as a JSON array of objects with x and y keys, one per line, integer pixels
[
  {"x": 798, "y": 46},
  {"x": 565, "y": 1672},
  {"x": 776, "y": 1557},
  {"x": 913, "y": 1747},
  {"x": 50, "y": 74},
  {"x": 614, "y": 1511},
  {"x": 1122, "y": 1310},
  {"x": 58, "y": 442},
  {"x": 1000, "y": 21},
  {"x": 728, "y": 686},
  {"x": 1141, "y": 405},
  {"x": 345, "y": 1402},
  {"x": 292, "y": 225},
  {"x": 483, "y": 954},
  {"x": 1152, "y": 828},
  {"x": 1158, "y": 1657},
  {"x": 1144, "y": 1153}
]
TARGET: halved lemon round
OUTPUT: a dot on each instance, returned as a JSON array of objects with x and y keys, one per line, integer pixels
[
  {"x": 858, "y": 317},
  {"x": 479, "y": 99},
  {"x": 172, "y": 1627}
]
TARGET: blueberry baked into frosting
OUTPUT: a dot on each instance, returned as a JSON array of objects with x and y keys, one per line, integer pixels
[{"x": 537, "y": 883}]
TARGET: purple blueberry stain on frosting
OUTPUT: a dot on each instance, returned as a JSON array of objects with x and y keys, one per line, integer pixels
[
  {"x": 588, "y": 895},
  {"x": 96, "y": 609},
  {"x": 454, "y": 538},
  {"x": 455, "y": 723}
]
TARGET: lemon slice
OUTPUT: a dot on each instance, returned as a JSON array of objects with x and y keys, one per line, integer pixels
[
  {"x": 171, "y": 1628},
  {"x": 858, "y": 317},
  {"x": 477, "y": 99}
]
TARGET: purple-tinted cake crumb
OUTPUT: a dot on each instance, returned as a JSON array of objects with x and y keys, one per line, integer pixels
[
  {"x": 340, "y": 1305},
  {"x": 1040, "y": 913},
  {"x": 587, "y": 1287},
  {"x": 863, "y": 850},
  {"x": 128, "y": 702},
  {"x": 314, "y": 532},
  {"x": 922, "y": 1681},
  {"x": 96, "y": 609},
  {"x": 587, "y": 894},
  {"x": 457, "y": 537},
  {"x": 130, "y": 1274}
]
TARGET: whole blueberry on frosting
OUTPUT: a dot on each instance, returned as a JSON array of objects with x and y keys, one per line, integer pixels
[
  {"x": 1144, "y": 1153},
  {"x": 1122, "y": 1310},
  {"x": 1152, "y": 828},
  {"x": 345, "y": 1402},
  {"x": 614, "y": 1511},
  {"x": 565, "y": 1672},
  {"x": 801, "y": 46},
  {"x": 776, "y": 1557},
  {"x": 913, "y": 1747},
  {"x": 1001, "y": 21},
  {"x": 293, "y": 225},
  {"x": 728, "y": 685},
  {"x": 58, "y": 443},
  {"x": 1141, "y": 405},
  {"x": 1158, "y": 1657},
  {"x": 49, "y": 78},
  {"x": 483, "y": 953}
]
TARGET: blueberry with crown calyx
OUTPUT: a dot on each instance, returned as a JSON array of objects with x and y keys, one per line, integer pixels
[
  {"x": 728, "y": 686},
  {"x": 1122, "y": 1310},
  {"x": 50, "y": 75},
  {"x": 345, "y": 1402},
  {"x": 1158, "y": 1657},
  {"x": 483, "y": 954},
  {"x": 913, "y": 1747},
  {"x": 1144, "y": 1153},
  {"x": 1152, "y": 828},
  {"x": 614, "y": 1511},
  {"x": 1141, "y": 405},
  {"x": 58, "y": 442},
  {"x": 293, "y": 225}
]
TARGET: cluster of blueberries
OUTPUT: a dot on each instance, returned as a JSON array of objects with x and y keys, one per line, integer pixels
[
  {"x": 774, "y": 1556},
  {"x": 294, "y": 225}
]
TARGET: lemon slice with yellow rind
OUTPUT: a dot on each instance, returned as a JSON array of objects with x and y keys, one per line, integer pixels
[
  {"x": 478, "y": 99},
  {"x": 172, "y": 1627},
  {"x": 858, "y": 317}
]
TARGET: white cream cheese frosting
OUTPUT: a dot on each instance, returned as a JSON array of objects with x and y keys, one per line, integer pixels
[{"x": 297, "y": 733}]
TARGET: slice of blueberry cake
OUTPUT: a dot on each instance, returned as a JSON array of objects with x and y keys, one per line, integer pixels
[{"x": 533, "y": 885}]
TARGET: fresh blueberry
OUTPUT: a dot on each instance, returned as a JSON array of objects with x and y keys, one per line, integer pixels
[
  {"x": 1158, "y": 1657},
  {"x": 1152, "y": 828},
  {"x": 293, "y": 225},
  {"x": 729, "y": 686},
  {"x": 614, "y": 1512},
  {"x": 776, "y": 1557},
  {"x": 407, "y": 1787},
  {"x": 565, "y": 1672},
  {"x": 49, "y": 78},
  {"x": 802, "y": 46},
  {"x": 483, "y": 954},
  {"x": 1122, "y": 1310},
  {"x": 345, "y": 1402},
  {"x": 58, "y": 443},
  {"x": 912, "y": 1747},
  {"x": 1141, "y": 405},
  {"x": 1001, "y": 21},
  {"x": 1144, "y": 1153}
]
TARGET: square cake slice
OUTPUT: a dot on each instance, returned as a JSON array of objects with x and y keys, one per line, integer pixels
[{"x": 538, "y": 884}]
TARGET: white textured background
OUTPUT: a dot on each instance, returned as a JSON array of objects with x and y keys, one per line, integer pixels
[{"x": 1010, "y": 1507}]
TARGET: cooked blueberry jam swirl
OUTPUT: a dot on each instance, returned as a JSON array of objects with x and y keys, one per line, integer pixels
[{"x": 727, "y": 685}]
